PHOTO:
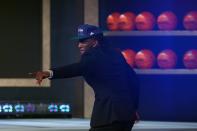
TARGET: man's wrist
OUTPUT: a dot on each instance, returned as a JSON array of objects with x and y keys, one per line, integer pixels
[{"x": 50, "y": 74}]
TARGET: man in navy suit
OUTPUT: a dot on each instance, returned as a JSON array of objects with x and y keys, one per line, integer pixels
[{"x": 114, "y": 82}]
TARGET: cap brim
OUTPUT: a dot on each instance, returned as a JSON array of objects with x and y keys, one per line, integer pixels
[{"x": 79, "y": 38}]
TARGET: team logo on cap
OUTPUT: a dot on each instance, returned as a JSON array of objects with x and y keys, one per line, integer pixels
[
  {"x": 80, "y": 30},
  {"x": 91, "y": 33}
]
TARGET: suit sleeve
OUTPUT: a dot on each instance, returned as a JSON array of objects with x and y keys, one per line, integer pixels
[
  {"x": 67, "y": 71},
  {"x": 76, "y": 69}
]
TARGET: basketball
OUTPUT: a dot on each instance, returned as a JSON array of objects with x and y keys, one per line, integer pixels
[
  {"x": 167, "y": 21},
  {"x": 190, "y": 59},
  {"x": 112, "y": 21},
  {"x": 145, "y": 21},
  {"x": 127, "y": 21},
  {"x": 167, "y": 59},
  {"x": 144, "y": 59},
  {"x": 129, "y": 56},
  {"x": 190, "y": 21}
]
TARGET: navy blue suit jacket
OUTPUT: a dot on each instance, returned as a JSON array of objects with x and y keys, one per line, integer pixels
[{"x": 114, "y": 82}]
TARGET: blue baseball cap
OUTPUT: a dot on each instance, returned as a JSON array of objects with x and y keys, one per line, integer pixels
[{"x": 86, "y": 31}]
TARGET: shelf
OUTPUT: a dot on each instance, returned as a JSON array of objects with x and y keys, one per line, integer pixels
[
  {"x": 151, "y": 33},
  {"x": 166, "y": 71}
]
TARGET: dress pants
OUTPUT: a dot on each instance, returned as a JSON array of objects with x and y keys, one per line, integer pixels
[{"x": 115, "y": 126}]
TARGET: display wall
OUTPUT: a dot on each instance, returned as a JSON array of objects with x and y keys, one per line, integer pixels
[{"x": 165, "y": 94}]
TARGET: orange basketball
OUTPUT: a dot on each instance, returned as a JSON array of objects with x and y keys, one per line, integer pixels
[
  {"x": 167, "y": 59},
  {"x": 167, "y": 21},
  {"x": 190, "y": 59},
  {"x": 190, "y": 21},
  {"x": 127, "y": 21},
  {"x": 129, "y": 56},
  {"x": 145, "y": 21},
  {"x": 144, "y": 59},
  {"x": 112, "y": 21}
]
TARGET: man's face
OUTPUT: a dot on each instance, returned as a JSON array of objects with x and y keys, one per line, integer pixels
[{"x": 85, "y": 45}]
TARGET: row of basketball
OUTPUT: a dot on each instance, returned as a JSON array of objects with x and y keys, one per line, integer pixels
[
  {"x": 146, "y": 21},
  {"x": 166, "y": 59}
]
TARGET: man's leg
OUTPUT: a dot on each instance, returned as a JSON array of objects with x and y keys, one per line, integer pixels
[{"x": 128, "y": 126}]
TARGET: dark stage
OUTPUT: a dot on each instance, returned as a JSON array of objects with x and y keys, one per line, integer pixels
[{"x": 83, "y": 125}]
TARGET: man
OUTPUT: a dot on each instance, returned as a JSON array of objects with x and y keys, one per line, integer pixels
[{"x": 114, "y": 82}]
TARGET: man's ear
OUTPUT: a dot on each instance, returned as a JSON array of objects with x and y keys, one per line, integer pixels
[{"x": 95, "y": 43}]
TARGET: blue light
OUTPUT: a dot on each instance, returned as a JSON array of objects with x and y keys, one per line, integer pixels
[
  {"x": 7, "y": 108},
  {"x": 64, "y": 108},
  {"x": 19, "y": 108},
  {"x": 0, "y": 108},
  {"x": 53, "y": 108}
]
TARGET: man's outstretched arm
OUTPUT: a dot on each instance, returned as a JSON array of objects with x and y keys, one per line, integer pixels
[{"x": 67, "y": 71}]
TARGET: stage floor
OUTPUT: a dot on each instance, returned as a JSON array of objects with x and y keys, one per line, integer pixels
[{"x": 83, "y": 125}]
